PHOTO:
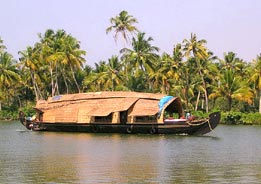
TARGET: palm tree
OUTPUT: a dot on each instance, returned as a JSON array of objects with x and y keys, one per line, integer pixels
[
  {"x": 188, "y": 80},
  {"x": 256, "y": 77},
  {"x": 232, "y": 62},
  {"x": 49, "y": 45},
  {"x": 9, "y": 76},
  {"x": 2, "y": 46},
  {"x": 232, "y": 87},
  {"x": 142, "y": 58},
  {"x": 196, "y": 48},
  {"x": 97, "y": 79},
  {"x": 29, "y": 61},
  {"x": 105, "y": 76},
  {"x": 72, "y": 56},
  {"x": 62, "y": 53},
  {"x": 114, "y": 72},
  {"x": 166, "y": 72},
  {"x": 162, "y": 74},
  {"x": 123, "y": 23}
]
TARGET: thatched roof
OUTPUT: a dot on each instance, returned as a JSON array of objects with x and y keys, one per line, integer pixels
[
  {"x": 145, "y": 107},
  {"x": 103, "y": 95},
  {"x": 98, "y": 99},
  {"x": 101, "y": 104}
]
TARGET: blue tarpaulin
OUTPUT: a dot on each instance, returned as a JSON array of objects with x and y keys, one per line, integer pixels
[
  {"x": 163, "y": 101},
  {"x": 56, "y": 97}
]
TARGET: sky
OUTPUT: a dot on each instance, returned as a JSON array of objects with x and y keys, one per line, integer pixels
[{"x": 227, "y": 25}]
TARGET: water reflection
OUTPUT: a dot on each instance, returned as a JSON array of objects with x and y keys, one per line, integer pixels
[{"x": 228, "y": 155}]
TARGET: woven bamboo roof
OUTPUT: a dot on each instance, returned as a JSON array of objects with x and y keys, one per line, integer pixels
[
  {"x": 145, "y": 107},
  {"x": 104, "y": 94},
  {"x": 101, "y": 104}
]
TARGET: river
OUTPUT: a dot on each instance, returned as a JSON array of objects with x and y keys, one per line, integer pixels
[{"x": 229, "y": 154}]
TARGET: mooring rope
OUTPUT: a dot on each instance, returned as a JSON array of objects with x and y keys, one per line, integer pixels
[{"x": 210, "y": 126}]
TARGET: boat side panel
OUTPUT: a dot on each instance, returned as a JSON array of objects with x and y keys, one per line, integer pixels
[{"x": 153, "y": 128}]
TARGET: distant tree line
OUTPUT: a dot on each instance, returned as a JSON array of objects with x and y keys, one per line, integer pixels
[{"x": 56, "y": 65}]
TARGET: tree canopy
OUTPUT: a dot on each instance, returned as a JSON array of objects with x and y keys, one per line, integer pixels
[{"x": 56, "y": 65}]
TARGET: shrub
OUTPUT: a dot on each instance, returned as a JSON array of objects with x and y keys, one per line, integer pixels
[
  {"x": 232, "y": 118},
  {"x": 241, "y": 118},
  {"x": 8, "y": 115}
]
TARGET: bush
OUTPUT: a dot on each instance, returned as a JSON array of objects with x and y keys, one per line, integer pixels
[
  {"x": 28, "y": 111},
  {"x": 8, "y": 115},
  {"x": 11, "y": 113},
  {"x": 232, "y": 118},
  {"x": 235, "y": 118},
  {"x": 251, "y": 118}
]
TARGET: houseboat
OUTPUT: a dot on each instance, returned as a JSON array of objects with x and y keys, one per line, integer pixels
[{"x": 117, "y": 112}]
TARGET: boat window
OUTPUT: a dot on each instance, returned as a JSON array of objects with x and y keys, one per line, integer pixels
[
  {"x": 146, "y": 118},
  {"x": 123, "y": 117},
  {"x": 103, "y": 119},
  {"x": 40, "y": 116}
]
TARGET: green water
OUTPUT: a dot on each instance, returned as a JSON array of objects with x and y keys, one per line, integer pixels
[{"x": 230, "y": 154}]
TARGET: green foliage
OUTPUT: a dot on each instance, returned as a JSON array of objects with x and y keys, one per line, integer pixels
[
  {"x": 8, "y": 115},
  {"x": 11, "y": 112},
  {"x": 232, "y": 118},
  {"x": 235, "y": 118},
  {"x": 28, "y": 110},
  {"x": 251, "y": 118},
  {"x": 54, "y": 65},
  {"x": 199, "y": 114}
]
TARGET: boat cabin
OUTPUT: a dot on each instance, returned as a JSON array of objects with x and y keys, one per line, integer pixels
[{"x": 108, "y": 108}]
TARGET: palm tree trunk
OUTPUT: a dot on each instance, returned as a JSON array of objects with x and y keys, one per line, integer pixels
[
  {"x": 186, "y": 98},
  {"x": 52, "y": 82},
  {"x": 259, "y": 101},
  {"x": 19, "y": 100},
  {"x": 34, "y": 86},
  {"x": 206, "y": 99},
  {"x": 196, "y": 106},
  {"x": 229, "y": 103},
  {"x": 66, "y": 84},
  {"x": 57, "y": 81},
  {"x": 78, "y": 87},
  {"x": 39, "y": 91},
  {"x": 0, "y": 106},
  {"x": 205, "y": 88}
]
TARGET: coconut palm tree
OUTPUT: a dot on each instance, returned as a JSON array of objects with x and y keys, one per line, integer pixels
[
  {"x": 97, "y": 81},
  {"x": 188, "y": 80},
  {"x": 50, "y": 43},
  {"x": 62, "y": 53},
  {"x": 162, "y": 74},
  {"x": 72, "y": 56},
  {"x": 123, "y": 24},
  {"x": 114, "y": 72},
  {"x": 29, "y": 62},
  {"x": 105, "y": 76},
  {"x": 8, "y": 74},
  {"x": 166, "y": 72},
  {"x": 2, "y": 46},
  {"x": 232, "y": 62},
  {"x": 256, "y": 77},
  {"x": 232, "y": 87},
  {"x": 196, "y": 48},
  {"x": 141, "y": 59}
]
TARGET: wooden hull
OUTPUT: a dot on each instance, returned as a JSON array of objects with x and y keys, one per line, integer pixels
[{"x": 198, "y": 127}]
